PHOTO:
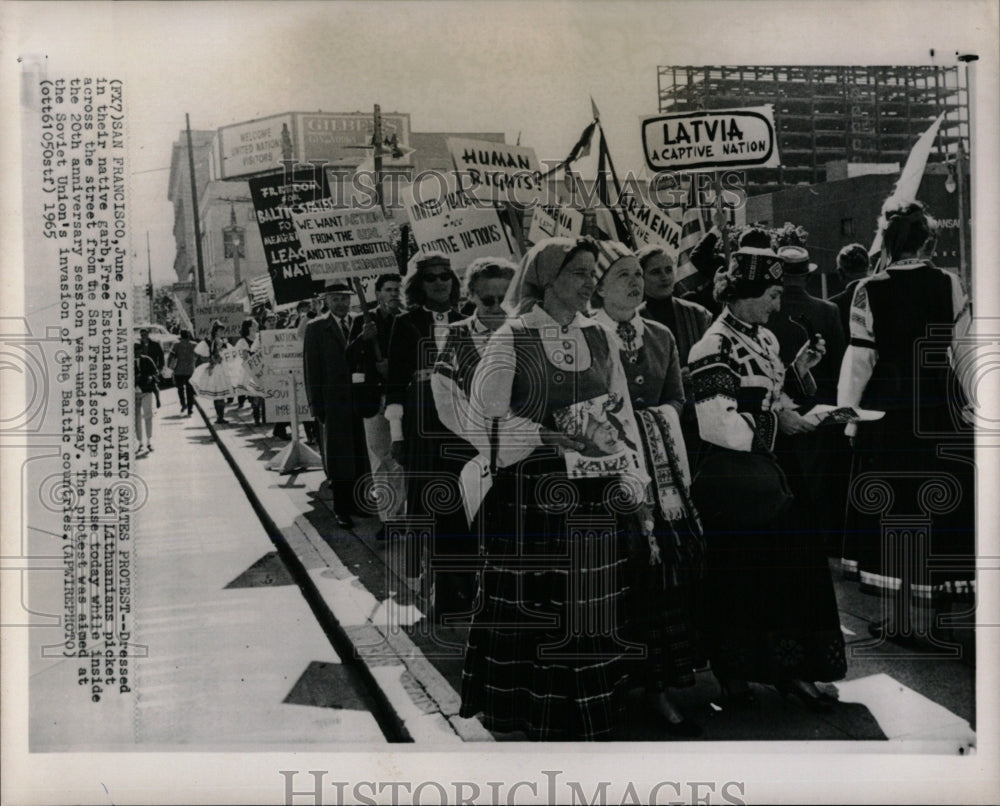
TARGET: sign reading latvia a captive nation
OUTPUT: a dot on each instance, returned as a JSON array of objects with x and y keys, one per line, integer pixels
[
  {"x": 730, "y": 138},
  {"x": 495, "y": 171},
  {"x": 344, "y": 242}
]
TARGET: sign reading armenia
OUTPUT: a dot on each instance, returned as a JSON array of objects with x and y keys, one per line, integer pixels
[{"x": 720, "y": 138}]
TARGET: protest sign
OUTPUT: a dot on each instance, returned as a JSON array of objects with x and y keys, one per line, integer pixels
[
  {"x": 275, "y": 364},
  {"x": 273, "y": 196},
  {"x": 553, "y": 222},
  {"x": 444, "y": 219},
  {"x": 495, "y": 171},
  {"x": 651, "y": 226},
  {"x": 344, "y": 243},
  {"x": 731, "y": 138},
  {"x": 231, "y": 314}
]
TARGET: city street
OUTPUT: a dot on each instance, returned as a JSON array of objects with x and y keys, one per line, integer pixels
[{"x": 267, "y": 624}]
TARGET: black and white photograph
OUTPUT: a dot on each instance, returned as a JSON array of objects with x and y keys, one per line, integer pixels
[{"x": 500, "y": 402}]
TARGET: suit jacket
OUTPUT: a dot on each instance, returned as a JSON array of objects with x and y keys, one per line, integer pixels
[
  {"x": 328, "y": 388},
  {"x": 825, "y": 318},
  {"x": 360, "y": 354},
  {"x": 690, "y": 321}
]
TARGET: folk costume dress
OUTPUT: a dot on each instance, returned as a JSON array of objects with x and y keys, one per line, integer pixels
[
  {"x": 768, "y": 611},
  {"x": 661, "y": 587},
  {"x": 913, "y": 468},
  {"x": 546, "y": 653},
  {"x": 215, "y": 378}
]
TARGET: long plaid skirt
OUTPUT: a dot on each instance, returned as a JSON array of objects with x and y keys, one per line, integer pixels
[{"x": 546, "y": 654}]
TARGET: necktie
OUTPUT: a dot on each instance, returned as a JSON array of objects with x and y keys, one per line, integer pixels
[{"x": 343, "y": 327}]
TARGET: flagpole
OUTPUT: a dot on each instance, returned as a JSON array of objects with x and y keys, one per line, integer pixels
[
  {"x": 725, "y": 224},
  {"x": 618, "y": 187}
]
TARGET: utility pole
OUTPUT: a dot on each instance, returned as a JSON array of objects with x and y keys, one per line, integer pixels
[
  {"x": 377, "y": 142},
  {"x": 149, "y": 275},
  {"x": 200, "y": 289}
]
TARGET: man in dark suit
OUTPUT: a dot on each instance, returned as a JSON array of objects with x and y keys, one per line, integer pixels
[
  {"x": 368, "y": 353},
  {"x": 328, "y": 388},
  {"x": 852, "y": 265}
]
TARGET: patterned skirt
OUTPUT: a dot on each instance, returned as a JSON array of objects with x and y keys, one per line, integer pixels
[{"x": 547, "y": 654}]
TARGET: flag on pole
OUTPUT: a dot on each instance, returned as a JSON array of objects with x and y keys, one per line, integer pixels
[
  {"x": 261, "y": 290},
  {"x": 622, "y": 230},
  {"x": 909, "y": 179},
  {"x": 580, "y": 149},
  {"x": 692, "y": 231}
]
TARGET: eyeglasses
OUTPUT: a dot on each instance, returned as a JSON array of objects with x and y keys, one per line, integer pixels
[
  {"x": 489, "y": 300},
  {"x": 430, "y": 278}
]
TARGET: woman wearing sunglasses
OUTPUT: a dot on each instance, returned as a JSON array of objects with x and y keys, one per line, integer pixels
[
  {"x": 431, "y": 291},
  {"x": 486, "y": 283}
]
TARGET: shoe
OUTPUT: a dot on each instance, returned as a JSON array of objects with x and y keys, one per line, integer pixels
[
  {"x": 344, "y": 521},
  {"x": 189, "y": 413},
  {"x": 737, "y": 696},
  {"x": 820, "y": 703},
  {"x": 222, "y": 421},
  {"x": 149, "y": 447}
]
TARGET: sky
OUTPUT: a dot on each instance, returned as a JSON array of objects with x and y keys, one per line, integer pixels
[{"x": 525, "y": 68}]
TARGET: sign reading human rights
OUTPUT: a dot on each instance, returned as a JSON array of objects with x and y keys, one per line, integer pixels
[
  {"x": 553, "y": 222},
  {"x": 730, "y": 138},
  {"x": 495, "y": 171},
  {"x": 444, "y": 219},
  {"x": 344, "y": 242}
]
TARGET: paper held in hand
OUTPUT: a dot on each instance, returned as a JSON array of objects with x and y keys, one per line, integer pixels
[{"x": 823, "y": 414}]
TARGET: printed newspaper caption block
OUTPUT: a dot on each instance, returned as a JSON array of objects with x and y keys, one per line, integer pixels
[
  {"x": 83, "y": 212},
  {"x": 554, "y": 222},
  {"x": 230, "y": 314},
  {"x": 448, "y": 220},
  {"x": 721, "y": 138},
  {"x": 275, "y": 365},
  {"x": 341, "y": 243},
  {"x": 497, "y": 172},
  {"x": 273, "y": 197}
]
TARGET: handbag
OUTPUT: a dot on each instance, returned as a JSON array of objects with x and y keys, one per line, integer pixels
[{"x": 744, "y": 488}]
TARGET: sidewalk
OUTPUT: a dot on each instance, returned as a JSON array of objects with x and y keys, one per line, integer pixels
[
  {"x": 901, "y": 697},
  {"x": 229, "y": 654}
]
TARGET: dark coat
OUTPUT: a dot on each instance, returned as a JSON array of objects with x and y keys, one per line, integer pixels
[{"x": 328, "y": 388}]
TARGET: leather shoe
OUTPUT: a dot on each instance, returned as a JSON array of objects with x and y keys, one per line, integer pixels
[{"x": 344, "y": 521}]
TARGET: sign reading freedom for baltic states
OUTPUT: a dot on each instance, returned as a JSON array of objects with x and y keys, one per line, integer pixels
[
  {"x": 720, "y": 138},
  {"x": 344, "y": 242}
]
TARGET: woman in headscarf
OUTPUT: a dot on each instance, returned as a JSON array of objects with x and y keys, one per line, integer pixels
[
  {"x": 904, "y": 322},
  {"x": 769, "y": 611},
  {"x": 662, "y": 574},
  {"x": 545, "y": 653}
]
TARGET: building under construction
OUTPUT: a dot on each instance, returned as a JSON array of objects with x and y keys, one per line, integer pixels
[{"x": 825, "y": 114}]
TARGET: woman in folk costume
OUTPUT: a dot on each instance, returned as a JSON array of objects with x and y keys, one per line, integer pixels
[
  {"x": 431, "y": 290},
  {"x": 545, "y": 654},
  {"x": 486, "y": 282},
  {"x": 914, "y": 466},
  {"x": 769, "y": 611},
  {"x": 663, "y": 574},
  {"x": 213, "y": 378}
]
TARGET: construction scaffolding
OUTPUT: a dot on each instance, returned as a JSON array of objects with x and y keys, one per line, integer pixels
[{"x": 822, "y": 114}]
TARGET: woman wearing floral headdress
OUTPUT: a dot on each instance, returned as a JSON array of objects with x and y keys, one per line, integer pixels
[
  {"x": 663, "y": 573},
  {"x": 769, "y": 610},
  {"x": 545, "y": 654}
]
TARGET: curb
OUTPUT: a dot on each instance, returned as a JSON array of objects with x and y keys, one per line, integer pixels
[{"x": 413, "y": 700}]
